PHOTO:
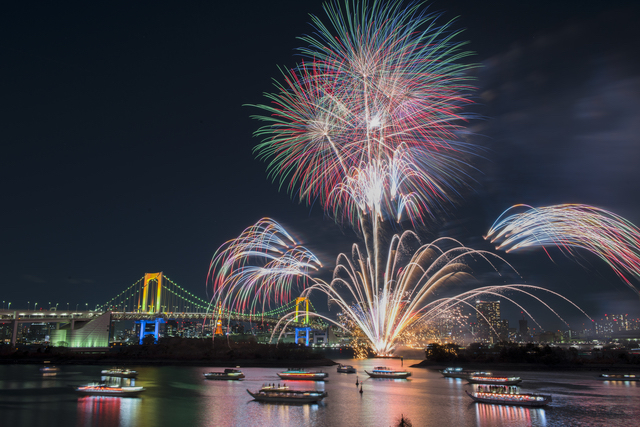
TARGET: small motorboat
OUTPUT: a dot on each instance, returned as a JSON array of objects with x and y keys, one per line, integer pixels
[
  {"x": 346, "y": 369},
  {"x": 227, "y": 374},
  {"x": 285, "y": 394},
  {"x": 49, "y": 370},
  {"x": 301, "y": 374},
  {"x": 488, "y": 379},
  {"x": 101, "y": 389},
  {"x": 119, "y": 373},
  {"x": 620, "y": 377},
  {"x": 521, "y": 399},
  {"x": 385, "y": 372}
]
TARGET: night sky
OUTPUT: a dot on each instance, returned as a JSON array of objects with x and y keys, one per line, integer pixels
[{"x": 127, "y": 148}]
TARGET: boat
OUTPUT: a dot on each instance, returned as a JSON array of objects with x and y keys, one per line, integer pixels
[
  {"x": 456, "y": 373},
  {"x": 119, "y": 372},
  {"x": 487, "y": 379},
  {"x": 107, "y": 390},
  {"x": 346, "y": 369},
  {"x": 461, "y": 373},
  {"x": 522, "y": 399},
  {"x": 49, "y": 370},
  {"x": 301, "y": 374},
  {"x": 285, "y": 394},
  {"x": 227, "y": 374},
  {"x": 385, "y": 372},
  {"x": 620, "y": 377}
]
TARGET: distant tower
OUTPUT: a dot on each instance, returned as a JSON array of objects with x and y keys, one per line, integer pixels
[
  {"x": 524, "y": 328},
  {"x": 218, "y": 330}
]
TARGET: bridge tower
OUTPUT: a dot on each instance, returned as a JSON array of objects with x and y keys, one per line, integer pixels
[
  {"x": 299, "y": 301},
  {"x": 148, "y": 300},
  {"x": 151, "y": 303},
  {"x": 306, "y": 329}
]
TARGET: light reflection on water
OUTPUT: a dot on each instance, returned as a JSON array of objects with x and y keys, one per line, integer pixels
[
  {"x": 107, "y": 410},
  {"x": 179, "y": 396},
  {"x": 495, "y": 415}
]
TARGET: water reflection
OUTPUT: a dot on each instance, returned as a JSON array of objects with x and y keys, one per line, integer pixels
[
  {"x": 620, "y": 383},
  {"x": 95, "y": 411},
  {"x": 179, "y": 396},
  {"x": 498, "y": 414}
]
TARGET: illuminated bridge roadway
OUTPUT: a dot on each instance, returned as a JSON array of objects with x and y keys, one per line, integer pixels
[{"x": 154, "y": 298}]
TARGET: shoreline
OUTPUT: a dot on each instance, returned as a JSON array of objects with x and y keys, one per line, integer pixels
[{"x": 247, "y": 363}]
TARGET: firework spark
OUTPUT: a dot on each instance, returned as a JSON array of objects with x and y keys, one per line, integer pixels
[{"x": 571, "y": 227}]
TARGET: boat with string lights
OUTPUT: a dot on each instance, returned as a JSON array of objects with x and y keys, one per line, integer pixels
[
  {"x": 489, "y": 379},
  {"x": 620, "y": 377},
  {"x": 461, "y": 373},
  {"x": 520, "y": 399},
  {"x": 227, "y": 374},
  {"x": 385, "y": 372},
  {"x": 107, "y": 390},
  {"x": 301, "y": 374},
  {"x": 119, "y": 373},
  {"x": 284, "y": 394}
]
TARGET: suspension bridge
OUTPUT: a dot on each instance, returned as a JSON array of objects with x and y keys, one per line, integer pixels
[{"x": 152, "y": 300}]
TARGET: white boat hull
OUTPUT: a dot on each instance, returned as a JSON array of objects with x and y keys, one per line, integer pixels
[
  {"x": 511, "y": 399},
  {"x": 391, "y": 375}
]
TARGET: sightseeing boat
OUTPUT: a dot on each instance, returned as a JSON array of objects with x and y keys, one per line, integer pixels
[
  {"x": 461, "y": 373},
  {"x": 107, "y": 390},
  {"x": 521, "y": 399},
  {"x": 227, "y": 374},
  {"x": 119, "y": 372},
  {"x": 301, "y": 374},
  {"x": 620, "y": 377},
  {"x": 488, "y": 379},
  {"x": 385, "y": 372},
  {"x": 346, "y": 369},
  {"x": 285, "y": 394}
]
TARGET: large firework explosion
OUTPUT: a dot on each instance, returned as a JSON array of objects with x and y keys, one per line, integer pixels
[{"x": 370, "y": 125}]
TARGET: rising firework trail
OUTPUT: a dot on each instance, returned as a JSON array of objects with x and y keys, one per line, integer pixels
[{"x": 572, "y": 228}]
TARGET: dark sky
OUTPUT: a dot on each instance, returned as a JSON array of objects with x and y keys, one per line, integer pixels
[{"x": 127, "y": 149}]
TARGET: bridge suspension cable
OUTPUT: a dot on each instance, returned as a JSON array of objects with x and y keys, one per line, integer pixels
[{"x": 169, "y": 297}]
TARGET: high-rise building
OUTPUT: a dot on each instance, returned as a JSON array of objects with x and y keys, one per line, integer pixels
[
  {"x": 524, "y": 329},
  {"x": 488, "y": 315}
]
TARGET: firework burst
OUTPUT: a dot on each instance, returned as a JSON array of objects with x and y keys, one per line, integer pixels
[
  {"x": 259, "y": 267},
  {"x": 572, "y": 227},
  {"x": 369, "y": 121}
]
